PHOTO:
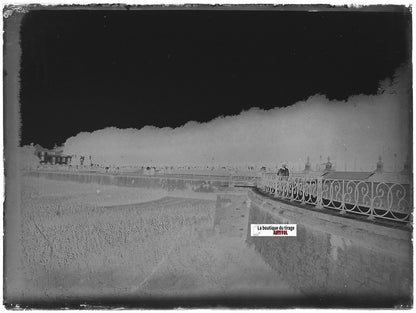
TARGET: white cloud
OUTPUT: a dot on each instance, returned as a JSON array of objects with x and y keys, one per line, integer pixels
[{"x": 353, "y": 133}]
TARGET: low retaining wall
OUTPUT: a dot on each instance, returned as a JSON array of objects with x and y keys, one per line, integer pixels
[
  {"x": 231, "y": 215},
  {"x": 196, "y": 185},
  {"x": 335, "y": 256}
]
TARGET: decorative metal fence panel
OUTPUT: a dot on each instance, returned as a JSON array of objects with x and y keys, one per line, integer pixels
[{"x": 375, "y": 199}]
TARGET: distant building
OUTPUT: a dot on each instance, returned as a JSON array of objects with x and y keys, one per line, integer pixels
[{"x": 52, "y": 157}]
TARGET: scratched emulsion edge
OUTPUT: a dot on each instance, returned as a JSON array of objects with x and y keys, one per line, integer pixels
[{"x": 12, "y": 275}]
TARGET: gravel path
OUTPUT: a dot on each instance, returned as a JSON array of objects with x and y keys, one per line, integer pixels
[{"x": 80, "y": 244}]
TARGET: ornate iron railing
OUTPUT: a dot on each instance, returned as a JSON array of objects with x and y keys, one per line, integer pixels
[{"x": 384, "y": 200}]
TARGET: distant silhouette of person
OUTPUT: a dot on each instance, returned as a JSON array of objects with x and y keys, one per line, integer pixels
[{"x": 283, "y": 171}]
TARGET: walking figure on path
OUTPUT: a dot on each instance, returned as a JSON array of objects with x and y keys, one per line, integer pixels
[{"x": 283, "y": 171}]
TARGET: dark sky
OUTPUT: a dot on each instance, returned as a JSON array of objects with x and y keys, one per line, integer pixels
[{"x": 87, "y": 70}]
